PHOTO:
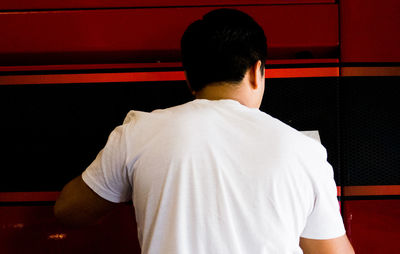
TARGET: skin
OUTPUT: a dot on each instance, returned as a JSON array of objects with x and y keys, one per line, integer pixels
[
  {"x": 331, "y": 246},
  {"x": 248, "y": 92},
  {"x": 78, "y": 205}
]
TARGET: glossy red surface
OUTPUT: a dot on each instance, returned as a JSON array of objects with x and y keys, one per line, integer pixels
[
  {"x": 373, "y": 225},
  {"x": 151, "y": 34},
  {"x": 370, "y": 30},
  {"x": 33, "y": 229},
  {"x": 29, "y": 196}
]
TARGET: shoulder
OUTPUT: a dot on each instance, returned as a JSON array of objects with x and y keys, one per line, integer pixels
[
  {"x": 141, "y": 127},
  {"x": 298, "y": 141},
  {"x": 135, "y": 116},
  {"x": 303, "y": 152}
]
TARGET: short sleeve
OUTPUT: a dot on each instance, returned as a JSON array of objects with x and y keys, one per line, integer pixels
[
  {"x": 107, "y": 175},
  {"x": 324, "y": 221}
]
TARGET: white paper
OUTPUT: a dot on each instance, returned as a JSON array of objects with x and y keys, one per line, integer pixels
[{"x": 312, "y": 134}]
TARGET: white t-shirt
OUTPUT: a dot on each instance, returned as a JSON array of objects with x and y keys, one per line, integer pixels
[{"x": 218, "y": 177}]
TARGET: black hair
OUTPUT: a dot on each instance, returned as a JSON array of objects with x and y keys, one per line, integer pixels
[{"x": 222, "y": 47}]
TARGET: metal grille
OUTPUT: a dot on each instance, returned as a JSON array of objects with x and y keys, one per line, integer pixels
[{"x": 370, "y": 124}]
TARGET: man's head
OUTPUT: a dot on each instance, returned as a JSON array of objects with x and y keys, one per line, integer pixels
[{"x": 222, "y": 47}]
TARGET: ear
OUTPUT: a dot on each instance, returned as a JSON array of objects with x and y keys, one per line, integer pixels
[{"x": 256, "y": 75}]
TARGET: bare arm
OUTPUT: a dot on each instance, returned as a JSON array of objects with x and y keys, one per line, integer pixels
[
  {"x": 79, "y": 205},
  {"x": 340, "y": 245}
]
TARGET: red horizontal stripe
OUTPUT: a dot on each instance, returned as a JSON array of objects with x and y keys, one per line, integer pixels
[
  {"x": 150, "y": 76},
  {"x": 373, "y": 190},
  {"x": 370, "y": 71},
  {"x": 303, "y": 72},
  {"x": 339, "y": 191},
  {"x": 45, "y": 196}
]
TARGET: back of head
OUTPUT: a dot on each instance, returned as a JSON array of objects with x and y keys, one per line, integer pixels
[{"x": 221, "y": 47}]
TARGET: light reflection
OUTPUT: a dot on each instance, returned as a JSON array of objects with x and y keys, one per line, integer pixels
[
  {"x": 59, "y": 236},
  {"x": 18, "y": 225}
]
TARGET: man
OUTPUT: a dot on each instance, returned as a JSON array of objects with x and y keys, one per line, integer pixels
[{"x": 215, "y": 175}]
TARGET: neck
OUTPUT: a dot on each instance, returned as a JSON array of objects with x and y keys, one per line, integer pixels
[{"x": 223, "y": 91}]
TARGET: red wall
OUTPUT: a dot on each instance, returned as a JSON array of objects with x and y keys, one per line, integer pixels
[
  {"x": 370, "y": 31},
  {"x": 153, "y": 34}
]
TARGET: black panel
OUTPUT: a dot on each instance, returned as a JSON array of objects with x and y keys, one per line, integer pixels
[
  {"x": 51, "y": 133},
  {"x": 370, "y": 135},
  {"x": 307, "y": 104}
]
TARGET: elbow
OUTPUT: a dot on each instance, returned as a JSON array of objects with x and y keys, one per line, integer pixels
[
  {"x": 59, "y": 212},
  {"x": 71, "y": 216},
  {"x": 64, "y": 214}
]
